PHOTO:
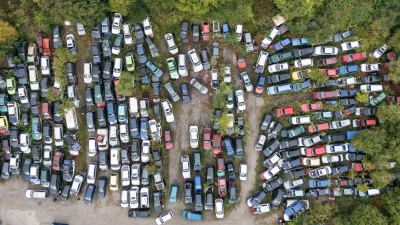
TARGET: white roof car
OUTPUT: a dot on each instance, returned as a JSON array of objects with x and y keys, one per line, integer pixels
[
  {"x": 169, "y": 114},
  {"x": 125, "y": 198},
  {"x": 80, "y": 29},
  {"x": 92, "y": 149},
  {"x": 47, "y": 155},
  {"x": 172, "y": 48},
  {"x": 116, "y": 25},
  {"x": 123, "y": 133},
  {"x": 144, "y": 197},
  {"x": 155, "y": 132},
  {"x": 303, "y": 62},
  {"x": 148, "y": 29},
  {"x": 371, "y": 87},
  {"x": 325, "y": 50},
  {"x": 293, "y": 183},
  {"x": 311, "y": 161},
  {"x": 45, "y": 64},
  {"x": 194, "y": 136},
  {"x": 125, "y": 175},
  {"x": 219, "y": 208},
  {"x": 242, "y": 171},
  {"x": 33, "y": 79},
  {"x": 300, "y": 119},
  {"x": 321, "y": 171},
  {"x": 185, "y": 166},
  {"x": 24, "y": 142},
  {"x": 135, "y": 174},
  {"x": 246, "y": 81},
  {"x": 164, "y": 218},
  {"x": 87, "y": 72},
  {"x": 346, "y": 81},
  {"x": 262, "y": 208},
  {"x": 145, "y": 151},
  {"x": 271, "y": 172},
  {"x": 71, "y": 44},
  {"x": 339, "y": 124},
  {"x": 346, "y": 46},
  {"x": 337, "y": 148},
  {"x": 261, "y": 61},
  {"x": 370, "y": 67},
  {"x": 260, "y": 142},
  {"x": 182, "y": 69},
  {"x": 228, "y": 75},
  {"x": 310, "y": 141},
  {"x": 194, "y": 58},
  {"x": 379, "y": 52},
  {"x": 331, "y": 159},
  {"x": 92, "y": 171},
  {"x": 134, "y": 197},
  {"x": 127, "y": 34},
  {"x": 199, "y": 86},
  {"x": 214, "y": 79},
  {"x": 267, "y": 41},
  {"x": 278, "y": 67},
  {"x": 241, "y": 104},
  {"x": 239, "y": 32}
]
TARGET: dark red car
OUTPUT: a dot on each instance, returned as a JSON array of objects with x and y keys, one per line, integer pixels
[
  {"x": 57, "y": 160},
  {"x": 354, "y": 57},
  {"x": 168, "y": 140},
  {"x": 326, "y": 94},
  {"x": 217, "y": 144},
  {"x": 283, "y": 111},
  {"x": 207, "y": 139}
]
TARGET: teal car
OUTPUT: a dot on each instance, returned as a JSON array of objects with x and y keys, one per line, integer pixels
[
  {"x": 172, "y": 68},
  {"x": 130, "y": 62},
  {"x": 36, "y": 129},
  {"x": 294, "y": 132},
  {"x": 173, "y": 194},
  {"x": 375, "y": 101}
]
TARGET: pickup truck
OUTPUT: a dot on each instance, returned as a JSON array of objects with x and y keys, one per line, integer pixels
[
  {"x": 262, "y": 208},
  {"x": 191, "y": 215},
  {"x": 297, "y": 53},
  {"x": 188, "y": 192},
  {"x": 279, "y": 57},
  {"x": 326, "y": 62}
]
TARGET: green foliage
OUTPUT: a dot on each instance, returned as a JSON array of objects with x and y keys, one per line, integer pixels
[
  {"x": 151, "y": 168},
  {"x": 394, "y": 68},
  {"x": 7, "y": 32},
  {"x": 63, "y": 55},
  {"x": 50, "y": 96},
  {"x": 292, "y": 9},
  {"x": 85, "y": 12},
  {"x": 394, "y": 41},
  {"x": 318, "y": 77},
  {"x": 362, "y": 187},
  {"x": 320, "y": 214},
  {"x": 199, "y": 7},
  {"x": 224, "y": 123},
  {"x": 16, "y": 60},
  {"x": 121, "y": 6},
  {"x": 381, "y": 178},
  {"x": 65, "y": 104},
  {"x": 362, "y": 96},
  {"x": 367, "y": 215},
  {"x": 392, "y": 206},
  {"x": 40, "y": 18},
  {"x": 371, "y": 141},
  {"x": 125, "y": 85}
]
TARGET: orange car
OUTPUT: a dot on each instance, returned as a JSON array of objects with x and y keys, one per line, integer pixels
[
  {"x": 47, "y": 46},
  {"x": 318, "y": 127},
  {"x": 217, "y": 144},
  {"x": 311, "y": 106},
  {"x": 330, "y": 72}
]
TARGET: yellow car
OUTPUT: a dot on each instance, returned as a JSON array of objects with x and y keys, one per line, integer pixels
[
  {"x": 114, "y": 177},
  {"x": 3, "y": 124},
  {"x": 300, "y": 74}
]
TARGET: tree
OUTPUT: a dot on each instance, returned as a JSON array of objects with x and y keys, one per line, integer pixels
[
  {"x": 394, "y": 68},
  {"x": 318, "y": 77},
  {"x": 381, "y": 178},
  {"x": 86, "y": 12},
  {"x": 362, "y": 96},
  {"x": 371, "y": 141},
  {"x": 62, "y": 56},
  {"x": 224, "y": 123},
  {"x": 7, "y": 32},
  {"x": 392, "y": 206},
  {"x": 66, "y": 104},
  {"x": 292, "y": 9},
  {"x": 321, "y": 214},
  {"x": 121, "y": 6},
  {"x": 199, "y": 7},
  {"x": 394, "y": 41},
  {"x": 125, "y": 85},
  {"x": 362, "y": 187},
  {"x": 367, "y": 215}
]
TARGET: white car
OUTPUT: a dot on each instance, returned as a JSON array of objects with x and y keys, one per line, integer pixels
[
  {"x": 71, "y": 44},
  {"x": 167, "y": 107},
  {"x": 219, "y": 208},
  {"x": 125, "y": 175},
  {"x": 371, "y": 87},
  {"x": 214, "y": 79},
  {"x": 145, "y": 151},
  {"x": 278, "y": 67},
  {"x": 310, "y": 141},
  {"x": 91, "y": 175},
  {"x": 182, "y": 69},
  {"x": 370, "y": 67},
  {"x": 116, "y": 25},
  {"x": 300, "y": 119},
  {"x": 246, "y": 81},
  {"x": 194, "y": 58},
  {"x": 332, "y": 159},
  {"x": 303, "y": 62},
  {"x": 325, "y": 50},
  {"x": 228, "y": 75},
  {"x": 346, "y": 81},
  {"x": 134, "y": 197},
  {"x": 293, "y": 183},
  {"x": 92, "y": 147},
  {"x": 33, "y": 80},
  {"x": 270, "y": 173},
  {"x": 185, "y": 166},
  {"x": 311, "y": 161},
  {"x": 199, "y": 86},
  {"x": 241, "y": 104},
  {"x": 155, "y": 132},
  {"x": 339, "y": 124},
  {"x": 148, "y": 29},
  {"x": 346, "y": 46},
  {"x": 337, "y": 148},
  {"x": 47, "y": 155},
  {"x": 145, "y": 197},
  {"x": 320, "y": 172},
  {"x": 127, "y": 34},
  {"x": 243, "y": 171},
  {"x": 135, "y": 174},
  {"x": 25, "y": 143},
  {"x": 164, "y": 218},
  {"x": 172, "y": 48},
  {"x": 80, "y": 29},
  {"x": 379, "y": 52},
  {"x": 125, "y": 198},
  {"x": 194, "y": 136}
]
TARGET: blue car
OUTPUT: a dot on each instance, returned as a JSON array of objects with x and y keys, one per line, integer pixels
[
  {"x": 319, "y": 183},
  {"x": 154, "y": 69},
  {"x": 300, "y": 86},
  {"x": 134, "y": 127},
  {"x": 122, "y": 114},
  {"x": 281, "y": 44},
  {"x": 144, "y": 121},
  {"x": 340, "y": 169},
  {"x": 300, "y": 42},
  {"x": 228, "y": 146},
  {"x": 290, "y": 164},
  {"x": 225, "y": 30},
  {"x": 112, "y": 118},
  {"x": 348, "y": 69},
  {"x": 294, "y": 208}
]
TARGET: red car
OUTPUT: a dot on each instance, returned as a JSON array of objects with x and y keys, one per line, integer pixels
[
  {"x": 326, "y": 94},
  {"x": 207, "y": 139},
  {"x": 57, "y": 160},
  {"x": 217, "y": 144},
  {"x": 283, "y": 111},
  {"x": 312, "y": 128},
  {"x": 39, "y": 41},
  {"x": 330, "y": 72},
  {"x": 222, "y": 190},
  {"x": 358, "y": 167},
  {"x": 220, "y": 166},
  {"x": 315, "y": 151},
  {"x": 46, "y": 46},
  {"x": 241, "y": 62},
  {"x": 168, "y": 140},
  {"x": 354, "y": 57},
  {"x": 46, "y": 111},
  {"x": 364, "y": 122},
  {"x": 205, "y": 30},
  {"x": 311, "y": 106}
]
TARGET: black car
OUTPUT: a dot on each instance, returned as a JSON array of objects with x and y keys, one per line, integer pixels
[
  {"x": 141, "y": 53},
  {"x": 57, "y": 42},
  {"x": 34, "y": 100},
  {"x": 108, "y": 90},
  {"x": 266, "y": 121},
  {"x": 26, "y": 169},
  {"x": 295, "y": 173},
  {"x": 21, "y": 70},
  {"x": 275, "y": 129},
  {"x": 354, "y": 156},
  {"x": 256, "y": 198},
  {"x": 58, "y": 118},
  {"x": 290, "y": 153},
  {"x": 260, "y": 83},
  {"x": 89, "y": 97},
  {"x": 196, "y": 32},
  {"x": 348, "y": 101},
  {"x": 103, "y": 160},
  {"x": 239, "y": 147},
  {"x": 55, "y": 184},
  {"x": 289, "y": 143},
  {"x": 25, "y": 119},
  {"x": 96, "y": 74},
  {"x": 101, "y": 119},
  {"x": 91, "y": 188},
  {"x": 48, "y": 133},
  {"x": 188, "y": 192},
  {"x": 139, "y": 213},
  {"x": 317, "y": 192},
  {"x": 185, "y": 93},
  {"x": 272, "y": 184},
  {"x": 22, "y": 50},
  {"x": 144, "y": 76},
  {"x": 135, "y": 150},
  {"x": 277, "y": 197},
  {"x": 71, "y": 72},
  {"x": 107, "y": 70},
  {"x": 139, "y": 31},
  {"x": 65, "y": 193},
  {"x": 369, "y": 111},
  {"x": 184, "y": 31},
  {"x": 96, "y": 32},
  {"x": 205, "y": 60},
  {"x": 277, "y": 78},
  {"x": 291, "y": 163},
  {"x": 271, "y": 147},
  {"x": 328, "y": 83},
  {"x": 14, "y": 137},
  {"x": 231, "y": 171},
  {"x": 158, "y": 201},
  {"x": 102, "y": 187},
  {"x": 68, "y": 170},
  {"x": 96, "y": 53},
  {"x": 44, "y": 84},
  {"x": 333, "y": 137},
  {"x": 372, "y": 78},
  {"x": 157, "y": 157}
]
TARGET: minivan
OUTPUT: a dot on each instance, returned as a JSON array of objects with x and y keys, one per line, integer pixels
[
  {"x": 58, "y": 135},
  {"x": 90, "y": 121},
  {"x": 117, "y": 67},
  {"x": 107, "y": 70},
  {"x": 182, "y": 70},
  {"x": 115, "y": 158},
  {"x": 185, "y": 93},
  {"x": 45, "y": 66},
  {"x": 55, "y": 184},
  {"x": 101, "y": 119},
  {"x": 205, "y": 59},
  {"x": 92, "y": 171},
  {"x": 112, "y": 118},
  {"x": 113, "y": 138},
  {"x": 87, "y": 72},
  {"x": 280, "y": 88},
  {"x": 262, "y": 60},
  {"x": 198, "y": 187},
  {"x": 92, "y": 149},
  {"x": 248, "y": 41},
  {"x": 210, "y": 175},
  {"x": 198, "y": 202}
]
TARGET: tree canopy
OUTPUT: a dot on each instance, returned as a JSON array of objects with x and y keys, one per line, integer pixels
[{"x": 367, "y": 215}]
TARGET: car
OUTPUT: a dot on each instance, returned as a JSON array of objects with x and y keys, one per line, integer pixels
[
  {"x": 348, "y": 69},
  {"x": 346, "y": 81},
  {"x": 155, "y": 131},
  {"x": 282, "y": 43},
  {"x": 219, "y": 208},
  {"x": 311, "y": 106},
  {"x": 346, "y": 46},
  {"x": 376, "y": 100},
  {"x": 168, "y": 140},
  {"x": 320, "y": 172},
  {"x": 184, "y": 31},
  {"x": 371, "y": 78},
  {"x": 348, "y": 101},
  {"x": 207, "y": 139},
  {"x": 293, "y": 183},
  {"x": 256, "y": 198},
  {"x": 333, "y": 137},
  {"x": 295, "y": 131},
  {"x": 194, "y": 58},
  {"x": 277, "y": 78},
  {"x": 337, "y": 148},
  {"x": 300, "y": 119},
  {"x": 300, "y": 41},
  {"x": 240, "y": 101},
  {"x": 291, "y": 163},
  {"x": 172, "y": 69},
  {"x": 340, "y": 169},
  {"x": 77, "y": 183},
  {"x": 214, "y": 79},
  {"x": 71, "y": 44},
  {"x": 197, "y": 166},
  {"x": 371, "y": 88},
  {"x": 370, "y": 67},
  {"x": 339, "y": 124},
  {"x": 377, "y": 53},
  {"x": 270, "y": 173},
  {"x": 354, "y": 157},
  {"x": 313, "y": 151},
  {"x": 231, "y": 171},
  {"x": 185, "y": 92},
  {"x": 301, "y": 85},
  {"x": 241, "y": 61},
  {"x": 310, "y": 161},
  {"x": 194, "y": 136},
  {"x": 278, "y": 67},
  {"x": 300, "y": 74},
  {"x": 325, "y": 50},
  {"x": 331, "y": 159},
  {"x": 154, "y": 69},
  {"x": 326, "y": 94},
  {"x": 367, "y": 122},
  {"x": 271, "y": 147},
  {"x": 303, "y": 62},
  {"x": 57, "y": 36},
  {"x": 172, "y": 48},
  {"x": 354, "y": 57},
  {"x": 57, "y": 160},
  {"x": 273, "y": 184},
  {"x": 246, "y": 81},
  {"x": 164, "y": 218},
  {"x": 217, "y": 144},
  {"x": 158, "y": 199},
  {"x": 328, "y": 83},
  {"x": 283, "y": 111},
  {"x": 185, "y": 166},
  {"x": 200, "y": 87}
]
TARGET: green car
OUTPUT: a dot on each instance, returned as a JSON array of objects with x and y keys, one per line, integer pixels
[
  {"x": 296, "y": 131},
  {"x": 375, "y": 101},
  {"x": 11, "y": 85},
  {"x": 173, "y": 72},
  {"x": 173, "y": 194},
  {"x": 129, "y": 61}
]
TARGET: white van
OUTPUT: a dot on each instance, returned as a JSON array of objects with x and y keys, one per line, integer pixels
[
  {"x": 58, "y": 135},
  {"x": 169, "y": 114},
  {"x": 71, "y": 120},
  {"x": 114, "y": 139},
  {"x": 87, "y": 72},
  {"x": 249, "y": 42},
  {"x": 92, "y": 171},
  {"x": 239, "y": 32},
  {"x": 182, "y": 70},
  {"x": 45, "y": 65},
  {"x": 102, "y": 144},
  {"x": 33, "y": 79},
  {"x": 143, "y": 108},
  {"x": 117, "y": 67},
  {"x": 267, "y": 41},
  {"x": 133, "y": 107},
  {"x": 123, "y": 133},
  {"x": 92, "y": 150},
  {"x": 39, "y": 194},
  {"x": 115, "y": 158}
]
